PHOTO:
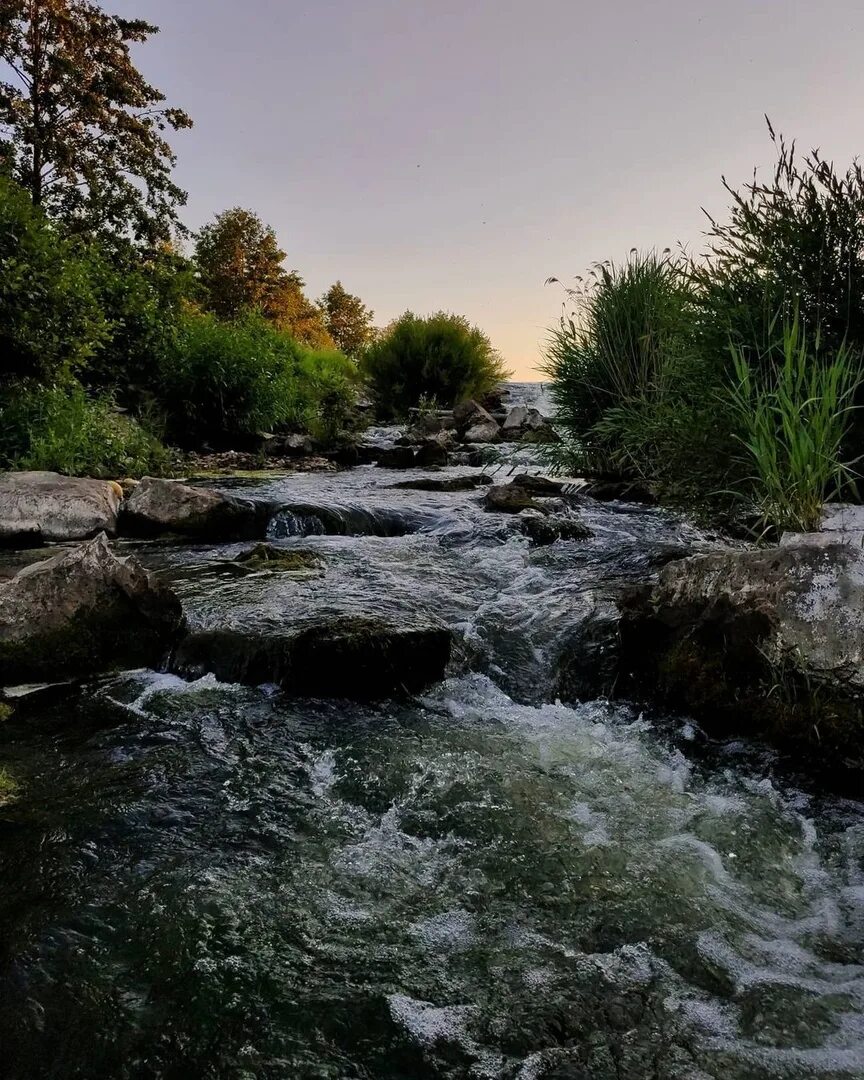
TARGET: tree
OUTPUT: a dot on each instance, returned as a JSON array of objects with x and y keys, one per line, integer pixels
[
  {"x": 240, "y": 263},
  {"x": 83, "y": 131},
  {"x": 347, "y": 319},
  {"x": 291, "y": 310},
  {"x": 51, "y": 322}
]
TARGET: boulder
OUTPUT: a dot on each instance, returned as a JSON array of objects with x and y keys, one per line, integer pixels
[
  {"x": 768, "y": 642},
  {"x": 487, "y": 431},
  {"x": 448, "y": 483},
  {"x": 522, "y": 420},
  {"x": 164, "y": 506},
  {"x": 285, "y": 559},
  {"x": 81, "y": 612},
  {"x": 433, "y": 452},
  {"x": 542, "y": 530},
  {"x": 395, "y": 457},
  {"x": 340, "y": 657},
  {"x": 541, "y": 486},
  {"x": 468, "y": 413},
  {"x": 56, "y": 507},
  {"x": 510, "y": 499}
]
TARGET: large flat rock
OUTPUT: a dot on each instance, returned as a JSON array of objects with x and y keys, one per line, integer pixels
[
  {"x": 157, "y": 507},
  {"x": 55, "y": 507}
]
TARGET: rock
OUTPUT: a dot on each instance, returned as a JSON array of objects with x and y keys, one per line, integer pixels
[
  {"x": 423, "y": 425},
  {"x": 768, "y": 642},
  {"x": 538, "y": 485},
  {"x": 395, "y": 457},
  {"x": 58, "y": 507},
  {"x": 510, "y": 499},
  {"x": 842, "y": 517},
  {"x": 271, "y": 557},
  {"x": 450, "y": 483},
  {"x": 542, "y": 530},
  {"x": 486, "y": 431},
  {"x": 468, "y": 413},
  {"x": 520, "y": 420},
  {"x": 81, "y": 612},
  {"x": 433, "y": 452},
  {"x": 20, "y": 534},
  {"x": 341, "y": 657},
  {"x": 588, "y": 664},
  {"x": 295, "y": 445},
  {"x": 164, "y": 506},
  {"x": 620, "y": 491}
]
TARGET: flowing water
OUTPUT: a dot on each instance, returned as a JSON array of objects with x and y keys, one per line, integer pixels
[{"x": 207, "y": 880}]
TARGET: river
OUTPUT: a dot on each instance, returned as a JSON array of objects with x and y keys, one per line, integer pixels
[{"x": 215, "y": 881}]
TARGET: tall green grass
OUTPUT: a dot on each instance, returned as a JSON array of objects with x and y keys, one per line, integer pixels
[{"x": 795, "y": 421}]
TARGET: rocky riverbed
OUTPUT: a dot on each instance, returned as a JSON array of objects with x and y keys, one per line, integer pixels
[{"x": 382, "y": 805}]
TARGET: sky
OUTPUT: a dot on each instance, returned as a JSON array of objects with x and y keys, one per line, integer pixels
[{"x": 454, "y": 154}]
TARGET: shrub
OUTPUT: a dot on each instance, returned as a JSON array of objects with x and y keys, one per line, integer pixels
[
  {"x": 327, "y": 394},
  {"x": 50, "y": 318},
  {"x": 61, "y": 429},
  {"x": 795, "y": 420},
  {"x": 441, "y": 356},
  {"x": 794, "y": 245},
  {"x": 226, "y": 380}
]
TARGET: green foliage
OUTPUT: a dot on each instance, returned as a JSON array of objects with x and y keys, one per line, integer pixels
[
  {"x": 9, "y": 787},
  {"x": 83, "y": 129},
  {"x": 240, "y": 263},
  {"x": 229, "y": 381},
  {"x": 795, "y": 420},
  {"x": 226, "y": 380},
  {"x": 347, "y": 319},
  {"x": 629, "y": 330},
  {"x": 51, "y": 321},
  {"x": 794, "y": 245},
  {"x": 441, "y": 356},
  {"x": 63, "y": 430}
]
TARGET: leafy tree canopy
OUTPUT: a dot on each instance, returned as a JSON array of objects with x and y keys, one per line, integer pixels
[
  {"x": 347, "y": 319},
  {"x": 83, "y": 131}
]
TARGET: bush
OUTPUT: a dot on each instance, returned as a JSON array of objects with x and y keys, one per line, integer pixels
[
  {"x": 796, "y": 419},
  {"x": 61, "y": 429},
  {"x": 50, "y": 318},
  {"x": 632, "y": 398},
  {"x": 793, "y": 246},
  {"x": 231, "y": 381},
  {"x": 441, "y": 356}
]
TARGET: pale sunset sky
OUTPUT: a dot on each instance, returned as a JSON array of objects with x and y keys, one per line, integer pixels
[{"x": 455, "y": 153}]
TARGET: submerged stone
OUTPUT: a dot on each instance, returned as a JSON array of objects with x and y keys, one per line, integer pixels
[
  {"x": 341, "y": 657},
  {"x": 543, "y": 530},
  {"x": 271, "y": 557},
  {"x": 38, "y": 506},
  {"x": 449, "y": 483},
  {"x": 81, "y": 612},
  {"x": 165, "y": 506},
  {"x": 510, "y": 499}
]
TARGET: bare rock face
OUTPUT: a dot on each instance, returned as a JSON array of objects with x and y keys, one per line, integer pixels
[
  {"x": 343, "y": 657},
  {"x": 55, "y": 507},
  {"x": 82, "y": 612},
  {"x": 475, "y": 424},
  {"x": 768, "y": 642},
  {"x": 164, "y": 506}
]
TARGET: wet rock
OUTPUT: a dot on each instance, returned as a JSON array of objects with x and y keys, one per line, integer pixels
[
  {"x": 164, "y": 506},
  {"x": 620, "y": 491},
  {"x": 395, "y": 457},
  {"x": 468, "y": 413},
  {"x": 433, "y": 452},
  {"x": 541, "y": 486},
  {"x": 768, "y": 642},
  {"x": 588, "y": 665},
  {"x": 542, "y": 530},
  {"x": 522, "y": 421},
  {"x": 487, "y": 431},
  {"x": 510, "y": 499},
  {"x": 58, "y": 507},
  {"x": 81, "y": 612},
  {"x": 342, "y": 657},
  {"x": 449, "y": 483},
  {"x": 272, "y": 557}
]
